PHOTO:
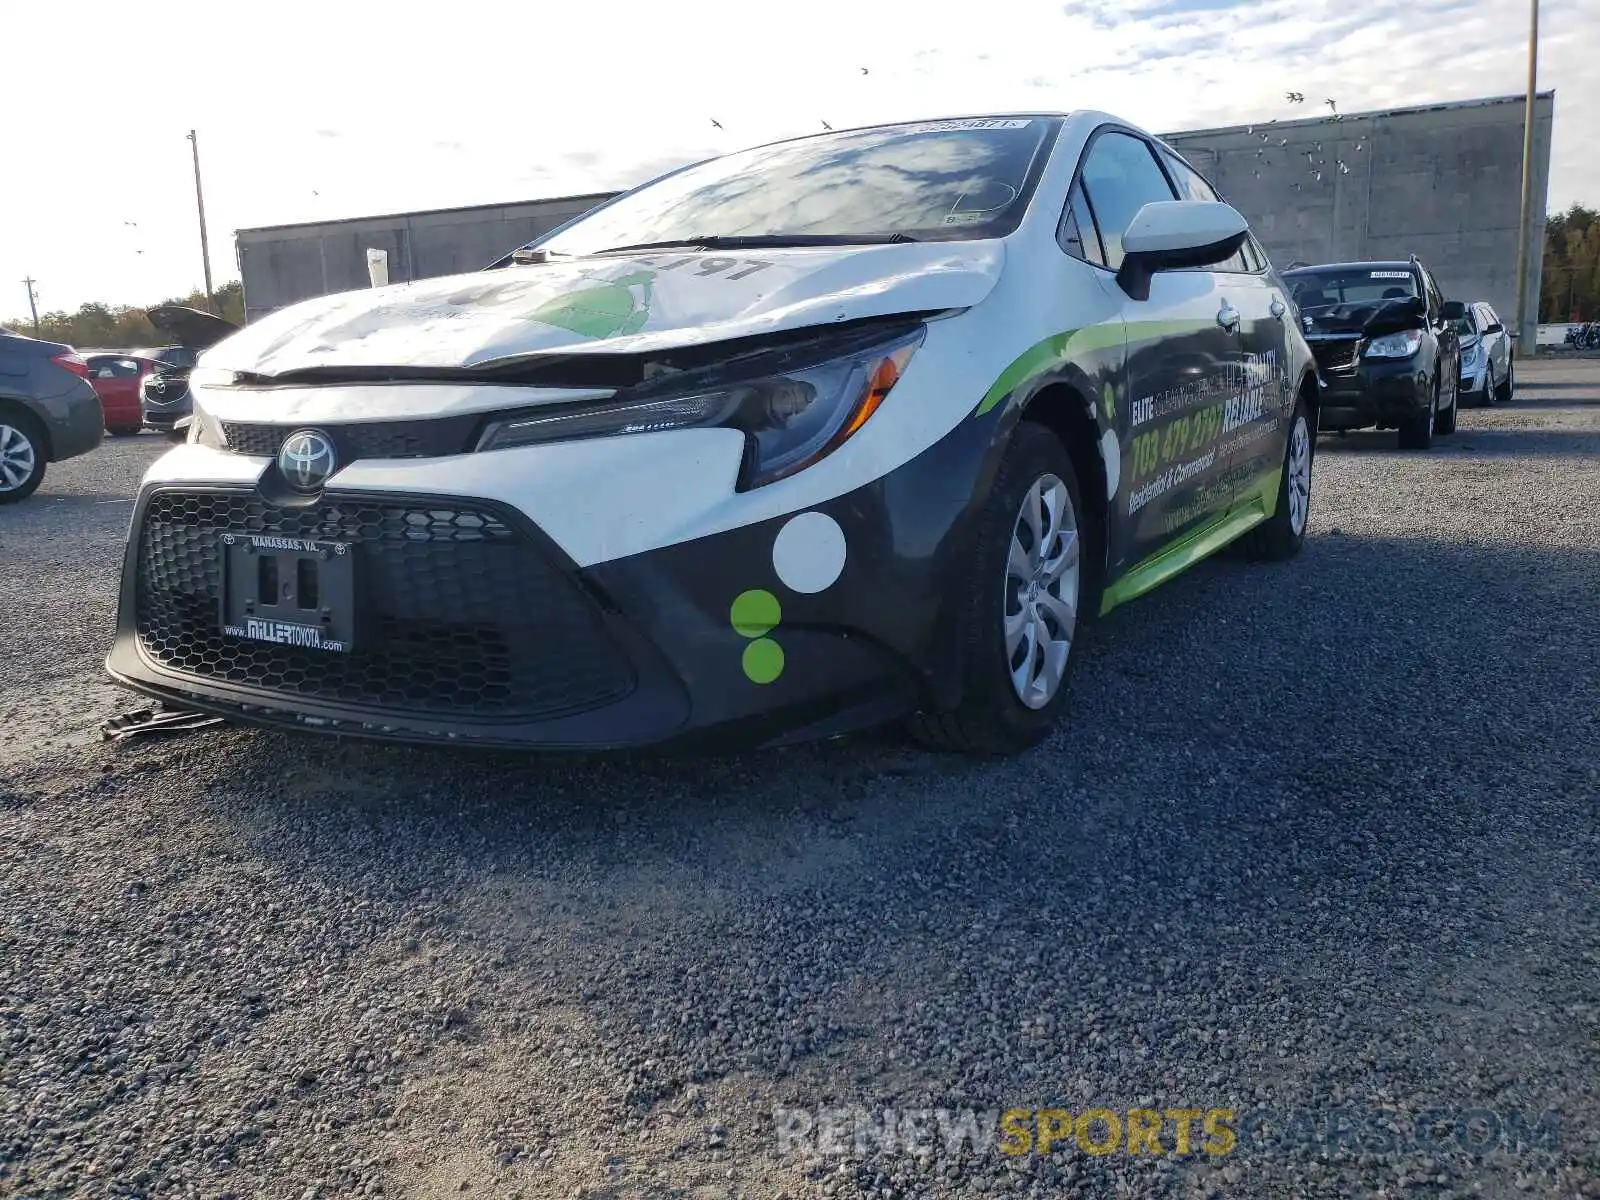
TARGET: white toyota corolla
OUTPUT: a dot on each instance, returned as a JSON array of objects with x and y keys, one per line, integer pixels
[{"x": 824, "y": 433}]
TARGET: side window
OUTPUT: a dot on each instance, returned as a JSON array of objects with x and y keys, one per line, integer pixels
[
  {"x": 1077, "y": 235},
  {"x": 1192, "y": 186},
  {"x": 1435, "y": 297},
  {"x": 1120, "y": 176}
]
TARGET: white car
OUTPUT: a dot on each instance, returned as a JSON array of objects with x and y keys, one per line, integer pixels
[
  {"x": 815, "y": 435},
  {"x": 1488, "y": 361}
]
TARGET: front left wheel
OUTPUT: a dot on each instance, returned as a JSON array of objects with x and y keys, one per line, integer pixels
[{"x": 1019, "y": 605}]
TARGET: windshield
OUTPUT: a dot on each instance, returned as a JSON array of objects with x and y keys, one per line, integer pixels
[
  {"x": 1465, "y": 325},
  {"x": 1350, "y": 285},
  {"x": 940, "y": 180}
]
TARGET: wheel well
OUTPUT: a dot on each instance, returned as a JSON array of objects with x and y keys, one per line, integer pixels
[
  {"x": 1313, "y": 398},
  {"x": 1063, "y": 410},
  {"x": 21, "y": 412}
]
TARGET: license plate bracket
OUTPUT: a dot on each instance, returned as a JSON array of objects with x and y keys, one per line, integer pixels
[{"x": 288, "y": 591}]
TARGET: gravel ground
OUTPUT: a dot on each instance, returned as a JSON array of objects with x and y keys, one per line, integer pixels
[{"x": 1318, "y": 838}]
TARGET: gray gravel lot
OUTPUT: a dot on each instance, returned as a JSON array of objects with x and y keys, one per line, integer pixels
[{"x": 1319, "y": 836}]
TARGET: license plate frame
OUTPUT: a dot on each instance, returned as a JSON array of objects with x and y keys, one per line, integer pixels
[{"x": 288, "y": 591}]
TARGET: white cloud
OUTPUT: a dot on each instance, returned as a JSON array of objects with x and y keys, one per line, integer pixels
[{"x": 332, "y": 109}]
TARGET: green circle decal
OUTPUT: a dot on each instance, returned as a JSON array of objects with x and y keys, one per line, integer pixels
[
  {"x": 756, "y": 613},
  {"x": 763, "y": 660}
]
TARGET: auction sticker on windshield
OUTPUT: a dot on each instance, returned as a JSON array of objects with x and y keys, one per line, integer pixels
[
  {"x": 990, "y": 123},
  {"x": 1391, "y": 275}
]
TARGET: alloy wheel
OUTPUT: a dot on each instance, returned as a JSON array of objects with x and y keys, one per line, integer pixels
[
  {"x": 1041, "y": 591},
  {"x": 1299, "y": 476},
  {"x": 18, "y": 458}
]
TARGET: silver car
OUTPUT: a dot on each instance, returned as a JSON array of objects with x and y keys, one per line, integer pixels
[{"x": 1488, "y": 371}]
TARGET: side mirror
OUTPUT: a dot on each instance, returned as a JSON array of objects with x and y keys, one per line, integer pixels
[
  {"x": 1453, "y": 310},
  {"x": 1173, "y": 235},
  {"x": 1495, "y": 328}
]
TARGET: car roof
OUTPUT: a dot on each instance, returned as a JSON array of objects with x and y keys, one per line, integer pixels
[
  {"x": 940, "y": 120},
  {"x": 1377, "y": 264}
]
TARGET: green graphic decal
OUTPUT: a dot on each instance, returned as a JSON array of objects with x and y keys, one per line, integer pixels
[
  {"x": 1108, "y": 398},
  {"x": 763, "y": 660},
  {"x": 1065, "y": 346},
  {"x": 755, "y": 613},
  {"x": 604, "y": 308}
]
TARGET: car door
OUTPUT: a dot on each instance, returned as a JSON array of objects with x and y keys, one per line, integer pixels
[
  {"x": 1497, "y": 342},
  {"x": 1447, "y": 339},
  {"x": 1183, "y": 354},
  {"x": 1258, "y": 405}
]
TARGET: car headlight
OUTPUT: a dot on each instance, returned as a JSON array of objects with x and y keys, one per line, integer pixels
[
  {"x": 1395, "y": 345},
  {"x": 202, "y": 377},
  {"x": 1470, "y": 353},
  {"x": 791, "y": 419}
]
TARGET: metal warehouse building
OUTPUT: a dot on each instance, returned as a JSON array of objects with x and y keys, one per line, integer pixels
[
  {"x": 1441, "y": 181},
  {"x": 280, "y": 264}
]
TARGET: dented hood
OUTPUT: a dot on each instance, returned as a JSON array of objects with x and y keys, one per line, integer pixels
[{"x": 614, "y": 304}]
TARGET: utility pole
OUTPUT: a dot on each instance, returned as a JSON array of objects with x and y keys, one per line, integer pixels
[
  {"x": 1528, "y": 334},
  {"x": 33, "y": 303},
  {"x": 200, "y": 203}
]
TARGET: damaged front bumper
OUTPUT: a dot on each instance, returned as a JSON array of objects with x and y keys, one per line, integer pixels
[{"x": 475, "y": 628}]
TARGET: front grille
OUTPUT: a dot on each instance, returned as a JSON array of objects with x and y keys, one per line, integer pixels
[
  {"x": 373, "y": 439},
  {"x": 174, "y": 391},
  {"x": 460, "y": 615},
  {"x": 1337, "y": 356}
]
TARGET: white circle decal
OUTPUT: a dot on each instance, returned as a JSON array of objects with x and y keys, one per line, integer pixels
[{"x": 808, "y": 554}]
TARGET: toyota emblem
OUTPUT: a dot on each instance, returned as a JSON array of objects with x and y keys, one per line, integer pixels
[{"x": 307, "y": 459}]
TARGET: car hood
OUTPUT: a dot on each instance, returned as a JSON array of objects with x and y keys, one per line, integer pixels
[
  {"x": 189, "y": 326},
  {"x": 1367, "y": 319},
  {"x": 610, "y": 304}
]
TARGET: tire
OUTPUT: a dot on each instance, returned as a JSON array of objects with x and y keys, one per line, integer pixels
[
  {"x": 22, "y": 460},
  {"x": 1417, "y": 433},
  {"x": 1491, "y": 389},
  {"x": 993, "y": 717},
  {"x": 1445, "y": 423},
  {"x": 1282, "y": 534},
  {"x": 1508, "y": 389}
]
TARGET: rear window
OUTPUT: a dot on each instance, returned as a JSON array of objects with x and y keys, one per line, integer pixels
[
  {"x": 103, "y": 366},
  {"x": 1350, "y": 285}
]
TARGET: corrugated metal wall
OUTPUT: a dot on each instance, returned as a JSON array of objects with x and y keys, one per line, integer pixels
[
  {"x": 283, "y": 264},
  {"x": 1442, "y": 182}
]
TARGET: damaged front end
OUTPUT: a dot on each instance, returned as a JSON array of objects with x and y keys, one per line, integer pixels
[{"x": 1367, "y": 355}]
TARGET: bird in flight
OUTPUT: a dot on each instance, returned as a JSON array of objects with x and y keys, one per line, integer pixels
[
  {"x": 1333, "y": 105},
  {"x": 716, "y": 122},
  {"x": 1294, "y": 97},
  {"x": 864, "y": 71},
  {"x": 825, "y": 125}
]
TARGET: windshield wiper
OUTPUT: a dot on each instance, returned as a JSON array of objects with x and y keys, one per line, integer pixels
[{"x": 762, "y": 241}]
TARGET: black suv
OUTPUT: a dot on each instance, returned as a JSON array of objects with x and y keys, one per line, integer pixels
[
  {"x": 164, "y": 398},
  {"x": 1386, "y": 346}
]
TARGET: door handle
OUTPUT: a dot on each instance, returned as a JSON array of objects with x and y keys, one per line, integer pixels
[
  {"x": 1228, "y": 316},
  {"x": 1277, "y": 308}
]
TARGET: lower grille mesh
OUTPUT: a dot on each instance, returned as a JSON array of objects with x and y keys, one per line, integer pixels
[{"x": 460, "y": 615}]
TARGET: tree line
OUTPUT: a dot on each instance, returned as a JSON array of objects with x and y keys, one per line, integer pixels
[
  {"x": 1569, "y": 291},
  {"x": 123, "y": 327}
]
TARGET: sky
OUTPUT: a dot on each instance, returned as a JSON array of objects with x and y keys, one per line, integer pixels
[{"x": 307, "y": 111}]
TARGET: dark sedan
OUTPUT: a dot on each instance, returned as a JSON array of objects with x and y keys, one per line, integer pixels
[{"x": 48, "y": 411}]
